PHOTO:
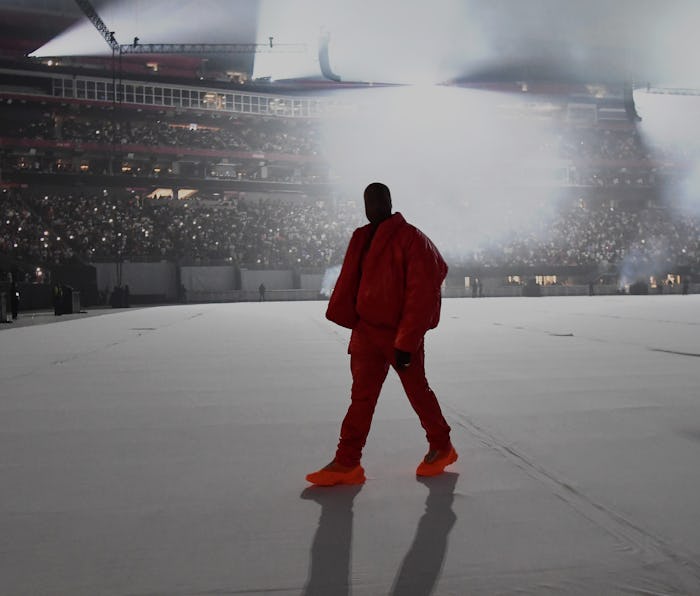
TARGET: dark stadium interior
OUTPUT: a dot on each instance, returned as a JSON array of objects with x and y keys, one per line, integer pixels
[{"x": 187, "y": 158}]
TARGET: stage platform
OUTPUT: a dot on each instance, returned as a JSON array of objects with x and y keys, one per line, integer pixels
[{"x": 162, "y": 451}]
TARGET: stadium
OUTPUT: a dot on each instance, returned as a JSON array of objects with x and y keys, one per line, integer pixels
[{"x": 179, "y": 183}]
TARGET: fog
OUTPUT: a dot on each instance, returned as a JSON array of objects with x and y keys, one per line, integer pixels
[
  {"x": 465, "y": 166},
  {"x": 422, "y": 42},
  {"x": 670, "y": 128},
  {"x": 390, "y": 41}
]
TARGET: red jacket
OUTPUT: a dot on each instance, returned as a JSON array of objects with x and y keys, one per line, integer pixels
[{"x": 397, "y": 287}]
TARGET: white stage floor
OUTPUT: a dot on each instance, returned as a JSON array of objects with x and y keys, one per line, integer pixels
[{"x": 162, "y": 451}]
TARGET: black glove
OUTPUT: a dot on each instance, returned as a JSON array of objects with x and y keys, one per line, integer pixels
[{"x": 403, "y": 359}]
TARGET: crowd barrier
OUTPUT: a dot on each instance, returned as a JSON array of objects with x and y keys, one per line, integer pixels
[
  {"x": 254, "y": 296},
  {"x": 494, "y": 292}
]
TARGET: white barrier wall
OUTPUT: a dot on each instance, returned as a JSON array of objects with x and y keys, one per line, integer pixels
[
  {"x": 273, "y": 280},
  {"x": 218, "y": 284},
  {"x": 208, "y": 279},
  {"x": 144, "y": 279},
  {"x": 252, "y": 296},
  {"x": 310, "y": 281}
]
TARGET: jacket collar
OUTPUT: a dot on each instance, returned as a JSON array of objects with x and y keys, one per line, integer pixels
[{"x": 384, "y": 232}]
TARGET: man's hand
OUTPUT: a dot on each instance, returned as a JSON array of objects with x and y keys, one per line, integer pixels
[{"x": 403, "y": 359}]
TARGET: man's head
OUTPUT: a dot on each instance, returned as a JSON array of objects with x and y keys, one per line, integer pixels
[{"x": 377, "y": 202}]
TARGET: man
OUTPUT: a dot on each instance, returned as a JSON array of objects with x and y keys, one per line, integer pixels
[
  {"x": 14, "y": 299},
  {"x": 388, "y": 293}
]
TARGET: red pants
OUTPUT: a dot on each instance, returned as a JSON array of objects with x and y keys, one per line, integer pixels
[{"x": 370, "y": 359}]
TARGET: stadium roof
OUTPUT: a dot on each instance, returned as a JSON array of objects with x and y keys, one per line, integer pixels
[{"x": 393, "y": 41}]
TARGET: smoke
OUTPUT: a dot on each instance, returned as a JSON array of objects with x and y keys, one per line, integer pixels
[
  {"x": 646, "y": 258},
  {"x": 329, "y": 278},
  {"x": 466, "y": 167},
  {"x": 420, "y": 42},
  {"x": 670, "y": 129},
  {"x": 394, "y": 41}
]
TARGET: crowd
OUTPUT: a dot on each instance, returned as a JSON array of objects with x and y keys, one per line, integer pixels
[
  {"x": 140, "y": 144},
  {"x": 270, "y": 233},
  {"x": 302, "y": 232},
  {"x": 258, "y": 232},
  {"x": 603, "y": 155},
  {"x": 602, "y": 143},
  {"x": 582, "y": 235},
  {"x": 131, "y": 127},
  {"x": 158, "y": 167},
  {"x": 613, "y": 176},
  {"x": 56, "y": 227}
]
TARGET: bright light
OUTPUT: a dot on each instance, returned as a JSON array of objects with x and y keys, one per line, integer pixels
[
  {"x": 452, "y": 158},
  {"x": 80, "y": 39},
  {"x": 157, "y": 21},
  {"x": 409, "y": 42},
  {"x": 392, "y": 41}
]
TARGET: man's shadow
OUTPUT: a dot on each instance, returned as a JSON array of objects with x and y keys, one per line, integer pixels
[
  {"x": 422, "y": 565},
  {"x": 329, "y": 571}
]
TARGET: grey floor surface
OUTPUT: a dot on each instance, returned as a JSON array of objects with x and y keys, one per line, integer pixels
[{"x": 162, "y": 451}]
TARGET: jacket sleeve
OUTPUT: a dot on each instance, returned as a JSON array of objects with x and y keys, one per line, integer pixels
[
  {"x": 425, "y": 271},
  {"x": 341, "y": 305}
]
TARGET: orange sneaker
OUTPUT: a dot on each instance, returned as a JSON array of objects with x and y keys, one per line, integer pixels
[
  {"x": 335, "y": 473},
  {"x": 435, "y": 462}
]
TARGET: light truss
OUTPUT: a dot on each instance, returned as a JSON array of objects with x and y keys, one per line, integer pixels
[
  {"x": 209, "y": 48},
  {"x": 181, "y": 48}
]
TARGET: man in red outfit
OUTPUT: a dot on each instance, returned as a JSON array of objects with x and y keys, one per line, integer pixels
[{"x": 388, "y": 293}]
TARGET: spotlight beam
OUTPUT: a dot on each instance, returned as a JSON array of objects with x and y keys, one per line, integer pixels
[{"x": 90, "y": 12}]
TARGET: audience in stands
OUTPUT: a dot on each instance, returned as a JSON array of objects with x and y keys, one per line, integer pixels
[
  {"x": 57, "y": 227},
  {"x": 311, "y": 233},
  {"x": 606, "y": 155},
  {"x": 260, "y": 232},
  {"x": 131, "y": 127}
]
